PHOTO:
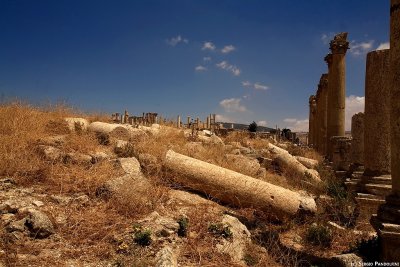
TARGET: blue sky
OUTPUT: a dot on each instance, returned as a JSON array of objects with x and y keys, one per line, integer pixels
[{"x": 243, "y": 60}]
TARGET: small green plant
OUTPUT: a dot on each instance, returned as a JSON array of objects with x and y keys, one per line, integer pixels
[
  {"x": 143, "y": 237},
  {"x": 319, "y": 235},
  {"x": 219, "y": 229},
  {"x": 183, "y": 226}
]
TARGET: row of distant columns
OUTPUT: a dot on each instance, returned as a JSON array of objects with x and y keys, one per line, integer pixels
[
  {"x": 327, "y": 108},
  {"x": 210, "y": 122}
]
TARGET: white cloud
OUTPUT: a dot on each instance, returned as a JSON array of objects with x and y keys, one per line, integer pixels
[
  {"x": 259, "y": 86},
  {"x": 246, "y": 84},
  {"x": 206, "y": 59},
  {"x": 232, "y": 105},
  {"x": 383, "y": 46},
  {"x": 290, "y": 120},
  {"x": 296, "y": 125},
  {"x": 354, "y": 104},
  {"x": 262, "y": 123},
  {"x": 228, "y": 67},
  {"x": 223, "y": 118},
  {"x": 208, "y": 46},
  {"x": 358, "y": 49},
  {"x": 227, "y": 49},
  {"x": 176, "y": 40},
  {"x": 200, "y": 68}
]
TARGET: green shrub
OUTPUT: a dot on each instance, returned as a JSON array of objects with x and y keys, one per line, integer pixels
[
  {"x": 143, "y": 237},
  {"x": 183, "y": 226},
  {"x": 319, "y": 235},
  {"x": 219, "y": 229}
]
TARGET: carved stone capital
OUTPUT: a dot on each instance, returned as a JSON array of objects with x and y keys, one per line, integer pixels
[
  {"x": 339, "y": 44},
  {"x": 312, "y": 100},
  {"x": 328, "y": 59},
  {"x": 323, "y": 81}
]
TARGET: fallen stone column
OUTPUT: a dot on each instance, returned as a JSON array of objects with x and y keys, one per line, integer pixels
[
  {"x": 309, "y": 163},
  {"x": 103, "y": 127},
  {"x": 113, "y": 129},
  {"x": 284, "y": 159},
  {"x": 235, "y": 188}
]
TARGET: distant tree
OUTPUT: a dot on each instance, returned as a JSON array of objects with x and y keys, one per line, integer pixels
[{"x": 252, "y": 127}]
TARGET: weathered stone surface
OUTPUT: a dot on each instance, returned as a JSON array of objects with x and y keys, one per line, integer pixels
[
  {"x": 357, "y": 142},
  {"x": 311, "y": 120},
  {"x": 130, "y": 165},
  {"x": 51, "y": 153},
  {"x": 18, "y": 226},
  {"x": 377, "y": 114},
  {"x": 124, "y": 186},
  {"x": 235, "y": 247},
  {"x": 78, "y": 158},
  {"x": 39, "y": 224},
  {"x": 322, "y": 100},
  {"x": 337, "y": 88},
  {"x": 235, "y": 188},
  {"x": 75, "y": 124},
  {"x": 53, "y": 140},
  {"x": 341, "y": 146},
  {"x": 246, "y": 165},
  {"x": 347, "y": 260},
  {"x": 395, "y": 92},
  {"x": 213, "y": 139},
  {"x": 166, "y": 258},
  {"x": 309, "y": 163}
]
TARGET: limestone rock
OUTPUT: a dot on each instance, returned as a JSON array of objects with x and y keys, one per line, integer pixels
[
  {"x": 53, "y": 140},
  {"x": 347, "y": 260},
  {"x": 39, "y": 224},
  {"x": 235, "y": 247},
  {"x": 131, "y": 165},
  {"x": 51, "y": 153},
  {"x": 166, "y": 258},
  {"x": 78, "y": 158},
  {"x": 18, "y": 226},
  {"x": 77, "y": 123}
]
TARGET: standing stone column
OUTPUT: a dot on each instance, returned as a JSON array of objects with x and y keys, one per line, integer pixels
[
  {"x": 311, "y": 122},
  {"x": 357, "y": 143},
  {"x": 337, "y": 88},
  {"x": 178, "y": 122},
  {"x": 395, "y": 93},
  {"x": 377, "y": 114},
  {"x": 387, "y": 221},
  {"x": 322, "y": 113}
]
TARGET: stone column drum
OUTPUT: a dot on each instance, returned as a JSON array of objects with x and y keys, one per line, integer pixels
[
  {"x": 311, "y": 102},
  {"x": 387, "y": 221},
  {"x": 357, "y": 143},
  {"x": 377, "y": 114},
  {"x": 337, "y": 87},
  {"x": 322, "y": 113}
]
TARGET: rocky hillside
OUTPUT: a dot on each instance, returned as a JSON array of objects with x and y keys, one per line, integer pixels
[{"x": 77, "y": 190}]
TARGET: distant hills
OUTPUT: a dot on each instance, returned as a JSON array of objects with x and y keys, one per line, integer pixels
[{"x": 239, "y": 126}]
